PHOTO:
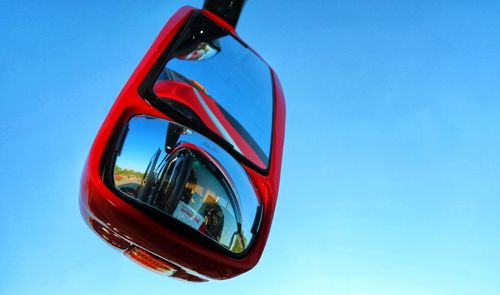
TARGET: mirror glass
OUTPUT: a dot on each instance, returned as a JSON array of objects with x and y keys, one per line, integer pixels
[
  {"x": 231, "y": 88},
  {"x": 184, "y": 175}
]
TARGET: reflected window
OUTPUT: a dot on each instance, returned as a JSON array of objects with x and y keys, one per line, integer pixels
[{"x": 207, "y": 203}]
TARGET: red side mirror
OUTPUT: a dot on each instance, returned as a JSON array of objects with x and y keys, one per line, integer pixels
[{"x": 183, "y": 175}]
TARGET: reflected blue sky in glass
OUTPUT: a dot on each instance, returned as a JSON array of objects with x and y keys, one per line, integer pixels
[{"x": 143, "y": 140}]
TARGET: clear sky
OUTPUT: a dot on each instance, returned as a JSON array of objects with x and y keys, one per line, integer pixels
[{"x": 390, "y": 182}]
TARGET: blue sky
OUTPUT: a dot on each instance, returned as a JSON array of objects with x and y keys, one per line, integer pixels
[{"x": 390, "y": 174}]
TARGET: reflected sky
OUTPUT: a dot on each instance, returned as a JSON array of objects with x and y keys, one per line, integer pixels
[{"x": 143, "y": 143}]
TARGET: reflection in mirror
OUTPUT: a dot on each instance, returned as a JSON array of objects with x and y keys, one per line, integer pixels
[
  {"x": 202, "y": 51},
  {"x": 188, "y": 177},
  {"x": 230, "y": 87}
]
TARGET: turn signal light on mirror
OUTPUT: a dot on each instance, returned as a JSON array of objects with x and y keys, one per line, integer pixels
[
  {"x": 158, "y": 265},
  {"x": 149, "y": 261}
]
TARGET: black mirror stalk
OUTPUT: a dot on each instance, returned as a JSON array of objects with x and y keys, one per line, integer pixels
[{"x": 228, "y": 10}]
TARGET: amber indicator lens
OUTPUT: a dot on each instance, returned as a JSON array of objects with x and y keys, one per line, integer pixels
[{"x": 149, "y": 261}]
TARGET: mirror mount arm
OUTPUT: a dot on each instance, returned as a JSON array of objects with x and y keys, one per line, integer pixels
[{"x": 228, "y": 10}]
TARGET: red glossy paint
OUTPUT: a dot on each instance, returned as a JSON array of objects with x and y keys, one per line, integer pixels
[
  {"x": 124, "y": 226},
  {"x": 184, "y": 93}
]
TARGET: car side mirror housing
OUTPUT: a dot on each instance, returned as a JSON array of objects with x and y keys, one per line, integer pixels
[{"x": 184, "y": 172}]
